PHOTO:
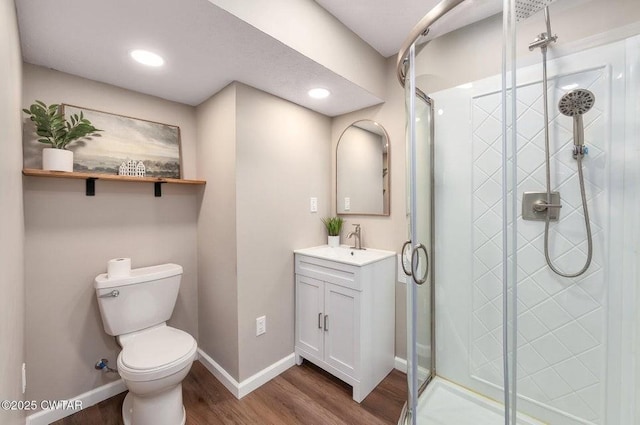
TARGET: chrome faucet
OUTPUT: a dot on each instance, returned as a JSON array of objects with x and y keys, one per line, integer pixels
[{"x": 356, "y": 232}]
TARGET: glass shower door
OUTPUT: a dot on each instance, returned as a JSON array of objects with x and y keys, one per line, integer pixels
[{"x": 418, "y": 250}]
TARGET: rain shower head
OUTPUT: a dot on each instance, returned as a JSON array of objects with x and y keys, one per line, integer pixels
[
  {"x": 575, "y": 104},
  {"x": 526, "y": 8}
]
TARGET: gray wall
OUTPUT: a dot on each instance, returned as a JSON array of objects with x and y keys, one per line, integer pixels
[
  {"x": 70, "y": 238},
  {"x": 11, "y": 216},
  {"x": 383, "y": 232},
  {"x": 380, "y": 232},
  {"x": 217, "y": 246},
  {"x": 283, "y": 158},
  {"x": 263, "y": 158}
]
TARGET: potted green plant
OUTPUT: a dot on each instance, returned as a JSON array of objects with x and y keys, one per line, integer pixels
[
  {"x": 54, "y": 130},
  {"x": 333, "y": 226}
]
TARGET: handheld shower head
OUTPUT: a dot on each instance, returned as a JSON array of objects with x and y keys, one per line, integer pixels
[{"x": 575, "y": 104}]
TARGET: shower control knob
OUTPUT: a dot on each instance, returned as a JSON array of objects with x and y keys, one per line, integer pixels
[{"x": 542, "y": 206}]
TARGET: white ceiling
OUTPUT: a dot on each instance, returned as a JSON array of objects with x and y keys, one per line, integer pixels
[
  {"x": 205, "y": 47},
  {"x": 384, "y": 24}
]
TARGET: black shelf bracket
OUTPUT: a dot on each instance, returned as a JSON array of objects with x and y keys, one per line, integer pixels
[
  {"x": 90, "y": 186},
  {"x": 157, "y": 189}
]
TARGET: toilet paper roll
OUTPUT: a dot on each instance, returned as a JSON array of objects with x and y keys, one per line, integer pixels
[{"x": 118, "y": 267}]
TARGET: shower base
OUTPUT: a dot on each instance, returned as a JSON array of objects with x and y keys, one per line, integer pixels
[{"x": 445, "y": 403}]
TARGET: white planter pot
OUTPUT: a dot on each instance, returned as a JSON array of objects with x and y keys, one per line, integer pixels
[
  {"x": 57, "y": 160},
  {"x": 333, "y": 241}
]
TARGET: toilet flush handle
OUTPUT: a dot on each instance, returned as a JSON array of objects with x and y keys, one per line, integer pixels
[{"x": 113, "y": 293}]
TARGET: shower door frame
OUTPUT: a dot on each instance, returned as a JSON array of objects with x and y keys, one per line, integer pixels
[
  {"x": 406, "y": 62},
  {"x": 414, "y": 388}
]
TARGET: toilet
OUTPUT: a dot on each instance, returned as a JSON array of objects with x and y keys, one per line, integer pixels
[{"x": 155, "y": 358}]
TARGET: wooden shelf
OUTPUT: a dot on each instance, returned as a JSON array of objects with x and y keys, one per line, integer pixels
[{"x": 90, "y": 179}]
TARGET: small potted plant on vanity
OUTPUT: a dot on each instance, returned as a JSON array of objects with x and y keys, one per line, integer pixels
[
  {"x": 53, "y": 129},
  {"x": 334, "y": 226}
]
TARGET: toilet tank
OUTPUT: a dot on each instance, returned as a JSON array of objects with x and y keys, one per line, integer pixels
[{"x": 143, "y": 299}]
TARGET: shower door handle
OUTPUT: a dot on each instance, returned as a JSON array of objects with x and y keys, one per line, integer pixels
[
  {"x": 414, "y": 264},
  {"x": 406, "y": 245}
]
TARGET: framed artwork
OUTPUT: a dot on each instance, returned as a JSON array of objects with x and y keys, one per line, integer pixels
[{"x": 123, "y": 140}]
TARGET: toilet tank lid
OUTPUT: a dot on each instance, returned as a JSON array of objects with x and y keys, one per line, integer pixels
[{"x": 143, "y": 274}]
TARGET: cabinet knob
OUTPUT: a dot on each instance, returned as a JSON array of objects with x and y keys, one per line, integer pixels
[{"x": 326, "y": 322}]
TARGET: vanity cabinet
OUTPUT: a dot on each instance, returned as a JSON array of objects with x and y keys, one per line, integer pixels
[{"x": 345, "y": 319}]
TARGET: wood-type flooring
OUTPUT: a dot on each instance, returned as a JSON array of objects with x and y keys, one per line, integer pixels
[{"x": 301, "y": 395}]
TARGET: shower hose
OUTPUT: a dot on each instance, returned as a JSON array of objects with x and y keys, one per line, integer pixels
[{"x": 585, "y": 209}]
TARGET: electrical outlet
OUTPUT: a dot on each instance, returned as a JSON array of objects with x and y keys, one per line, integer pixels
[
  {"x": 261, "y": 325},
  {"x": 313, "y": 204},
  {"x": 347, "y": 204}
]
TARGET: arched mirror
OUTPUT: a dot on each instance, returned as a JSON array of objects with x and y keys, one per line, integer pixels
[{"x": 362, "y": 170}]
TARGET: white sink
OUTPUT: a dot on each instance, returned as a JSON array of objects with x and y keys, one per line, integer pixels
[{"x": 346, "y": 254}]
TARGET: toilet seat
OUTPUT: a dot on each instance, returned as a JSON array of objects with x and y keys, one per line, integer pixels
[{"x": 155, "y": 353}]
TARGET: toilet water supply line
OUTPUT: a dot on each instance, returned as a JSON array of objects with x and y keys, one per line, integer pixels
[{"x": 103, "y": 365}]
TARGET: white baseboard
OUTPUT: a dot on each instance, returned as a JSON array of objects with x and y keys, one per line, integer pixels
[
  {"x": 94, "y": 396},
  {"x": 238, "y": 389},
  {"x": 220, "y": 374},
  {"x": 400, "y": 364},
  {"x": 241, "y": 389}
]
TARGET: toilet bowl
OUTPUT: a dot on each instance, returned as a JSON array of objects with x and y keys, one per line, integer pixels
[
  {"x": 155, "y": 358},
  {"x": 152, "y": 365}
]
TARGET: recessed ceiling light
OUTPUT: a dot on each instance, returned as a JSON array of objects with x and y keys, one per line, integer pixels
[
  {"x": 146, "y": 57},
  {"x": 319, "y": 93}
]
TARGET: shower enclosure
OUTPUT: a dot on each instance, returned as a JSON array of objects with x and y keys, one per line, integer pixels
[{"x": 523, "y": 206}]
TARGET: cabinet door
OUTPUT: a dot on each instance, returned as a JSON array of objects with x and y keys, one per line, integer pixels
[
  {"x": 342, "y": 333},
  {"x": 309, "y": 315}
]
